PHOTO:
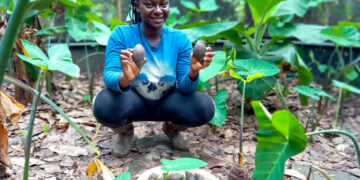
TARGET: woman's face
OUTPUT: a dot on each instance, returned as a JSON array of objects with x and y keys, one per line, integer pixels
[{"x": 153, "y": 12}]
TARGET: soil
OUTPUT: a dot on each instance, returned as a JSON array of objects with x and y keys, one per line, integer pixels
[{"x": 63, "y": 154}]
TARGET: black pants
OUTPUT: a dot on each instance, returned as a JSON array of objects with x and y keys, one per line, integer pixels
[{"x": 115, "y": 109}]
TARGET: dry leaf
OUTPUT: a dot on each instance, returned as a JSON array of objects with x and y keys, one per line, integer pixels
[
  {"x": 4, "y": 145},
  {"x": 10, "y": 108},
  {"x": 97, "y": 167}
]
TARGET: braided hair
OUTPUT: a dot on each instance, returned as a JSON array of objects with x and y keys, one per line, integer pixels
[{"x": 134, "y": 15}]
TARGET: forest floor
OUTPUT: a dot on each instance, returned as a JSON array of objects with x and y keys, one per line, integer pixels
[{"x": 63, "y": 154}]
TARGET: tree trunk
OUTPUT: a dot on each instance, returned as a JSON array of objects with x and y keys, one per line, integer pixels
[{"x": 119, "y": 10}]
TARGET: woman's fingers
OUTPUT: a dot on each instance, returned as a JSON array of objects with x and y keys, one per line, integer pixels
[{"x": 127, "y": 53}]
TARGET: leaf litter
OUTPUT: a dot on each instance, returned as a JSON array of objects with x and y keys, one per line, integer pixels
[{"x": 63, "y": 154}]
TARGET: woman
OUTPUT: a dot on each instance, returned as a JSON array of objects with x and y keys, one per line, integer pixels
[{"x": 163, "y": 88}]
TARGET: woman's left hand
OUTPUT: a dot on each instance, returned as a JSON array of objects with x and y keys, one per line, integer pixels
[{"x": 197, "y": 66}]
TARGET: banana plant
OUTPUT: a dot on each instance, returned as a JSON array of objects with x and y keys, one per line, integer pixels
[{"x": 59, "y": 60}]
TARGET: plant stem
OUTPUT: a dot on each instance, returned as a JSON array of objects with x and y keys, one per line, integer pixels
[
  {"x": 278, "y": 94},
  {"x": 353, "y": 139},
  {"x": 208, "y": 88},
  {"x": 338, "y": 108},
  {"x": 88, "y": 56},
  {"x": 55, "y": 107},
  {"x": 214, "y": 129},
  {"x": 217, "y": 83},
  {"x": 35, "y": 103},
  {"x": 242, "y": 118},
  {"x": 11, "y": 31},
  {"x": 89, "y": 73}
]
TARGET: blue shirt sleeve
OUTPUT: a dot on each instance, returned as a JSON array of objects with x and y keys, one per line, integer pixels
[
  {"x": 112, "y": 61},
  {"x": 185, "y": 84}
]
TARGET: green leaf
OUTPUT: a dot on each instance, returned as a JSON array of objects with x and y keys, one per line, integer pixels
[
  {"x": 299, "y": 8},
  {"x": 102, "y": 33},
  {"x": 208, "y": 30},
  {"x": 36, "y": 62},
  {"x": 208, "y": 5},
  {"x": 351, "y": 74},
  {"x": 41, "y": 4},
  {"x": 61, "y": 60},
  {"x": 262, "y": 8},
  {"x": 69, "y": 3},
  {"x": 115, "y": 22},
  {"x": 314, "y": 93},
  {"x": 305, "y": 78},
  {"x": 217, "y": 65},
  {"x": 34, "y": 51},
  {"x": 254, "y": 66},
  {"x": 341, "y": 35},
  {"x": 123, "y": 176},
  {"x": 88, "y": 3},
  {"x": 52, "y": 31},
  {"x": 298, "y": 30},
  {"x": 256, "y": 89},
  {"x": 278, "y": 139},
  {"x": 289, "y": 52},
  {"x": 349, "y": 23},
  {"x": 181, "y": 164},
  {"x": 348, "y": 87},
  {"x": 77, "y": 29},
  {"x": 188, "y": 4},
  {"x": 45, "y": 128},
  {"x": 220, "y": 108},
  {"x": 92, "y": 17}
]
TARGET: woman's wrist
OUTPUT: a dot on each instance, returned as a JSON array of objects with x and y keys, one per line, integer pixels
[
  {"x": 124, "y": 82},
  {"x": 193, "y": 74}
]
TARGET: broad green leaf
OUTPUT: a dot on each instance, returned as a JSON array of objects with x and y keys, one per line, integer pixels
[
  {"x": 348, "y": 87},
  {"x": 88, "y": 3},
  {"x": 341, "y": 35},
  {"x": 34, "y": 51},
  {"x": 304, "y": 32},
  {"x": 217, "y": 65},
  {"x": 305, "y": 78},
  {"x": 123, "y": 176},
  {"x": 102, "y": 33},
  {"x": 289, "y": 52},
  {"x": 115, "y": 22},
  {"x": 61, "y": 60},
  {"x": 253, "y": 66},
  {"x": 92, "y": 17},
  {"x": 349, "y": 23},
  {"x": 188, "y": 4},
  {"x": 299, "y": 8},
  {"x": 181, "y": 164},
  {"x": 231, "y": 35},
  {"x": 314, "y": 93},
  {"x": 40, "y": 4},
  {"x": 69, "y": 3},
  {"x": 220, "y": 108},
  {"x": 262, "y": 8},
  {"x": 208, "y": 5},
  {"x": 208, "y": 30},
  {"x": 278, "y": 139},
  {"x": 36, "y": 62},
  {"x": 351, "y": 74},
  {"x": 256, "y": 89},
  {"x": 52, "y": 31},
  {"x": 77, "y": 29}
]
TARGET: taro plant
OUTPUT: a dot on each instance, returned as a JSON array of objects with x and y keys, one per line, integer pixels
[
  {"x": 248, "y": 71},
  {"x": 59, "y": 60},
  {"x": 342, "y": 86},
  {"x": 315, "y": 94},
  {"x": 280, "y": 136}
]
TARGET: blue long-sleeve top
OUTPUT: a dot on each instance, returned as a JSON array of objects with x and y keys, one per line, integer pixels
[{"x": 167, "y": 64}]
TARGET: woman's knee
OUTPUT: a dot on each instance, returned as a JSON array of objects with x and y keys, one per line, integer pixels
[{"x": 112, "y": 108}]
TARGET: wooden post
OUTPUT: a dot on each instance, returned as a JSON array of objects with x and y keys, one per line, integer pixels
[{"x": 119, "y": 10}]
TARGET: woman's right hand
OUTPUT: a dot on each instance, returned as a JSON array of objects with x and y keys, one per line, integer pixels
[{"x": 130, "y": 69}]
